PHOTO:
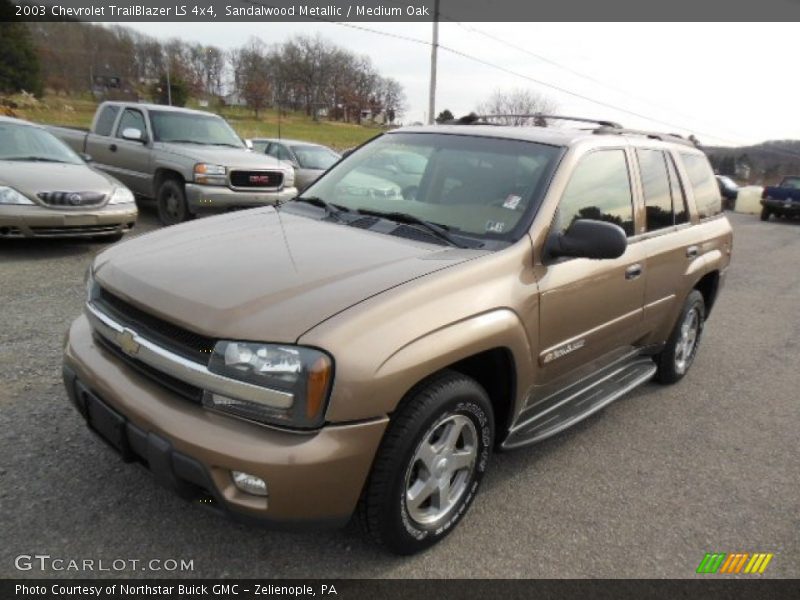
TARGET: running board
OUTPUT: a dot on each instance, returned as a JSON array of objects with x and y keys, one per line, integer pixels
[{"x": 567, "y": 407}]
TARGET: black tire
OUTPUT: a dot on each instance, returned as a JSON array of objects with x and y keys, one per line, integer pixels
[
  {"x": 448, "y": 399},
  {"x": 171, "y": 199},
  {"x": 676, "y": 360},
  {"x": 765, "y": 214}
]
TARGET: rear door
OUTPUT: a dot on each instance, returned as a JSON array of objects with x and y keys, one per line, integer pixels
[{"x": 591, "y": 310}]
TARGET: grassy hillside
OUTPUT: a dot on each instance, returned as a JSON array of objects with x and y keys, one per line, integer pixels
[{"x": 78, "y": 112}]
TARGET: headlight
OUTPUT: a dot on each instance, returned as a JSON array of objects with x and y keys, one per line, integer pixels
[
  {"x": 121, "y": 195},
  {"x": 209, "y": 174},
  {"x": 301, "y": 378},
  {"x": 11, "y": 196}
]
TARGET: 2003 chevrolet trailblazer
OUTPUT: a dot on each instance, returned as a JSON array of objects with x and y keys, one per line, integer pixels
[{"x": 365, "y": 347}]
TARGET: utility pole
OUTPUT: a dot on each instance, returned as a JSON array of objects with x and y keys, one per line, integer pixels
[
  {"x": 169, "y": 86},
  {"x": 434, "y": 49}
]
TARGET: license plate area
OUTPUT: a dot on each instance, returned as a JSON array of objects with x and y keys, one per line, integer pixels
[
  {"x": 108, "y": 424},
  {"x": 79, "y": 220}
]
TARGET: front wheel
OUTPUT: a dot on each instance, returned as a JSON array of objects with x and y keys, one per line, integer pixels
[
  {"x": 678, "y": 355},
  {"x": 765, "y": 214},
  {"x": 430, "y": 464},
  {"x": 172, "y": 207}
]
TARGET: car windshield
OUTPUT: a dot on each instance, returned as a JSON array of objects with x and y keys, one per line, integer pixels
[
  {"x": 314, "y": 157},
  {"x": 193, "y": 128},
  {"x": 25, "y": 143},
  {"x": 475, "y": 186}
]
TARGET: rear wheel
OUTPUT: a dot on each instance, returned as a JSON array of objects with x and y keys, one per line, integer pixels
[
  {"x": 430, "y": 464},
  {"x": 678, "y": 355},
  {"x": 765, "y": 214},
  {"x": 172, "y": 207}
]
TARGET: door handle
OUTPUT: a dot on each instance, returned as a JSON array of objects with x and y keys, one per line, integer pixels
[
  {"x": 113, "y": 147},
  {"x": 692, "y": 251},
  {"x": 633, "y": 271}
]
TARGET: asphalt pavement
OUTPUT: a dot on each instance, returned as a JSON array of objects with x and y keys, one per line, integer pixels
[{"x": 642, "y": 489}]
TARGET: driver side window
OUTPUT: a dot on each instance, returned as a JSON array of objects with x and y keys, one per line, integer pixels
[
  {"x": 599, "y": 189},
  {"x": 131, "y": 119}
]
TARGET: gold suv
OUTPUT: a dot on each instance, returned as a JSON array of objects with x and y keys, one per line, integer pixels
[{"x": 365, "y": 347}]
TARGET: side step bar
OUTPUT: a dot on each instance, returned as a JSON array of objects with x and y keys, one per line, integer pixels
[{"x": 567, "y": 407}]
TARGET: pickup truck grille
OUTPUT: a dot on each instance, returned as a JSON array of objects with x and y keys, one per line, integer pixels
[
  {"x": 190, "y": 345},
  {"x": 256, "y": 179},
  {"x": 71, "y": 199}
]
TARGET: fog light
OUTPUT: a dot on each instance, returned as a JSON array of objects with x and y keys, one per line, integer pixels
[{"x": 249, "y": 483}]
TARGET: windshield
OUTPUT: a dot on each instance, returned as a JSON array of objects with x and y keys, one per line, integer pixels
[
  {"x": 315, "y": 157},
  {"x": 23, "y": 143},
  {"x": 475, "y": 186},
  {"x": 192, "y": 128}
]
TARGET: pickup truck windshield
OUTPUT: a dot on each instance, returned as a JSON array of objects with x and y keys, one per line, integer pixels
[
  {"x": 474, "y": 186},
  {"x": 191, "y": 128},
  {"x": 26, "y": 143},
  {"x": 791, "y": 182}
]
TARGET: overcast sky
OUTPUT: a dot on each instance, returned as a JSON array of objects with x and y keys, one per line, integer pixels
[{"x": 728, "y": 83}]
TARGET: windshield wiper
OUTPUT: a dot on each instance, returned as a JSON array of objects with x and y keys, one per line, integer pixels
[
  {"x": 34, "y": 159},
  {"x": 332, "y": 210},
  {"x": 224, "y": 144},
  {"x": 184, "y": 142},
  {"x": 400, "y": 217}
]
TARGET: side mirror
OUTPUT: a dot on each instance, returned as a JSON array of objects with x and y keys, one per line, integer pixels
[
  {"x": 587, "y": 238},
  {"x": 249, "y": 144},
  {"x": 132, "y": 134},
  {"x": 87, "y": 158}
]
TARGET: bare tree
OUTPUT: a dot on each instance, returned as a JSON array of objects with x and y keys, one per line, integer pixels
[{"x": 517, "y": 102}]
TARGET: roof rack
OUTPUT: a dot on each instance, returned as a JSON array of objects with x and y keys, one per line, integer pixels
[
  {"x": 474, "y": 119},
  {"x": 654, "y": 135}
]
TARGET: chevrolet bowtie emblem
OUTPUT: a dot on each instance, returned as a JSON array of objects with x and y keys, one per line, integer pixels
[{"x": 127, "y": 342}]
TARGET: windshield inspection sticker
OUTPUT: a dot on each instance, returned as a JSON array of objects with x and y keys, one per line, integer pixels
[
  {"x": 512, "y": 202},
  {"x": 495, "y": 226}
]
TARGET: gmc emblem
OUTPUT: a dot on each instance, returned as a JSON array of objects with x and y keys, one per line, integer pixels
[{"x": 262, "y": 179}]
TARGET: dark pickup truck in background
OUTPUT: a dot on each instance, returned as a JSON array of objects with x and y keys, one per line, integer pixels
[
  {"x": 781, "y": 200},
  {"x": 187, "y": 160}
]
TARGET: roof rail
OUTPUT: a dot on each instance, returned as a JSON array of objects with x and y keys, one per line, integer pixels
[
  {"x": 654, "y": 135},
  {"x": 474, "y": 119}
]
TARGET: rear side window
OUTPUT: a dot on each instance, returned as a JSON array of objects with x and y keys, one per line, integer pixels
[
  {"x": 599, "y": 189},
  {"x": 105, "y": 120},
  {"x": 656, "y": 188},
  {"x": 678, "y": 195},
  {"x": 706, "y": 190}
]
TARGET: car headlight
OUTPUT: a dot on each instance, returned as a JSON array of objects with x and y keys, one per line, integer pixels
[
  {"x": 121, "y": 195},
  {"x": 208, "y": 174},
  {"x": 9, "y": 195},
  {"x": 301, "y": 378}
]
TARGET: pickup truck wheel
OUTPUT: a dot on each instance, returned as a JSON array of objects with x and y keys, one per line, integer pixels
[
  {"x": 429, "y": 465},
  {"x": 678, "y": 355},
  {"x": 172, "y": 207},
  {"x": 765, "y": 214}
]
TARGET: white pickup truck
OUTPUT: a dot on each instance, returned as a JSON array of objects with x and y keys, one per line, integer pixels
[{"x": 188, "y": 161}]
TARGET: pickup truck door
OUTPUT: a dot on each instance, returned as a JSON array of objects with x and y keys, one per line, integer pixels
[
  {"x": 591, "y": 310},
  {"x": 129, "y": 160},
  {"x": 99, "y": 138}
]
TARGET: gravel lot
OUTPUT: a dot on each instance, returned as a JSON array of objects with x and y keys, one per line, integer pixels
[{"x": 642, "y": 489}]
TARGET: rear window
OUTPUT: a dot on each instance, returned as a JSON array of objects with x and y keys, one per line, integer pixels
[
  {"x": 105, "y": 120},
  {"x": 706, "y": 191}
]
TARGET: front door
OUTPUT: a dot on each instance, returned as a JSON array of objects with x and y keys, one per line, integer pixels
[{"x": 591, "y": 310}]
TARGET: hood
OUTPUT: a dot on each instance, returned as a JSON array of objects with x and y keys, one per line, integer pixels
[
  {"x": 227, "y": 157},
  {"x": 31, "y": 178},
  {"x": 262, "y": 275}
]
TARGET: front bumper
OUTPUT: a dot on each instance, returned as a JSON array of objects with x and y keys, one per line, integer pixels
[
  {"x": 37, "y": 221},
  {"x": 313, "y": 480},
  {"x": 213, "y": 197},
  {"x": 781, "y": 207}
]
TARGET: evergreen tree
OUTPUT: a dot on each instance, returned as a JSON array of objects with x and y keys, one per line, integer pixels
[
  {"x": 445, "y": 116},
  {"x": 19, "y": 63}
]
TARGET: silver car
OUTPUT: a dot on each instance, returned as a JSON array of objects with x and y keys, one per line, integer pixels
[
  {"x": 47, "y": 190},
  {"x": 309, "y": 160}
]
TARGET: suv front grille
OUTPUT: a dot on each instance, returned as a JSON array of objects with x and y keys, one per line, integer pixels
[
  {"x": 256, "y": 179},
  {"x": 188, "y": 344}
]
